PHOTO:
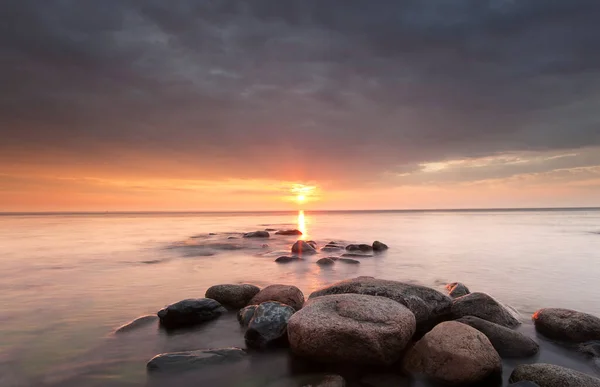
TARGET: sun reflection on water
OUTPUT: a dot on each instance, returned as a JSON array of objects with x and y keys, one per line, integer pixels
[{"x": 302, "y": 224}]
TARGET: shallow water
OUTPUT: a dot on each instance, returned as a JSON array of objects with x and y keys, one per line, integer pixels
[{"x": 67, "y": 281}]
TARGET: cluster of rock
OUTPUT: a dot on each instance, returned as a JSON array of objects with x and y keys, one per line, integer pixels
[
  {"x": 303, "y": 248},
  {"x": 365, "y": 320}
]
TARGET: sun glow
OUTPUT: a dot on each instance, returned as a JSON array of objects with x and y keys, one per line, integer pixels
[
  {"x": 300, "y": 198},
  {"x": 303, "y": 193}
]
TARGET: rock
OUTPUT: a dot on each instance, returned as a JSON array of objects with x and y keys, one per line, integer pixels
[
  {"x": 357, "y": 255},
  {"x": 257, "y": 234},
  {"x": 428, "y": 305},
  {"x": 268, "y": 326},
  {"x": 483, "y": 306},
  {"x": 137, "y": 323},
  {"x": 212, "y": 233},
  {"x": 567, "y": 325},
  {"x": 362, "y": 247},
  {"x": 457, "y": 289},
  {"x": 330, "y": 248},
  {"x": 325, "y": 261},
  {"x": 328, "y": 381},
  {"x": 270, "y": 229},
  {"x": 313, "y": 244},
  {"x": 286, "y": 294},
  {"x": 286, "y": 259},
  {"x": 351, "y": 328},
  {"x": 508, "y": 343},
  {"x": 245, "y": 315},
  {"x": 234, "y": 296},
  {"x": 453, "y": 353},
  {"x": 549, "y": 375},
  {"x": 190, "y": 312},
  {"x": 378, "y": 246},
  {"x": 302, "y": 247},
  {"x": 347, "y": 260},
  {"x": 591, "y": 348},
  {"x": 194, "y": 360},
  {"x": 232, "y": 237},
  {"x": 524, "y": 384},
  {"x": 289, "y": 232},
  {"x": 309, "y": 380}
]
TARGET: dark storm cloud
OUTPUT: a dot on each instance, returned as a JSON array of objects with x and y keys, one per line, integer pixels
[{"x": 307, "y": 89}]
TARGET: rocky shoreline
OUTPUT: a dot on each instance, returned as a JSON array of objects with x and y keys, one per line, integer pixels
[{"x": 456, "y": 339}]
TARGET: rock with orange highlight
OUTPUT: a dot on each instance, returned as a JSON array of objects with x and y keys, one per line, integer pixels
[
  {"x": 567, "y": 325},
  {"x": 302, "y": 247},
  {"x": 286, "y": 294}
]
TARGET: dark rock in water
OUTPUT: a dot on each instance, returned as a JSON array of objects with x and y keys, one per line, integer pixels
[
  {"x": 245, "y": 315},
  {"x": 289, "y": 232},
  {"x": 286, "y": 259},
  {"x": 362, "y": 247},
  {"x": 313, "y": 244},
  {"x": 270, "y": 229},
  {"x": 524, "y": 384},
  {"x": 567, "y": 325},
  {"x": 257, "y": 234},
  {"x": 347, "y": 260},
  {"x": 194, "y": 360},
  {"x": 351, "y": 328},
  {"x": 485, "y": 307},
  {"x": 212, "y": 233},
  {"x": 331, "y": 248},
  {"x": 309, "y": 380},
  {"x": 325, "y": 261},
  {"x": 378, "y": 246},
  {"x": 302, "y": 247},
  {"x": 508, "y": 343},
  {"x": 591, "y": 348},
  {"x": 549, "y": 375},
  {"x": 457, "y": 289},
  {"x": 428, "y": 305},
  {"x": 453, "y": 353},
  {"x": 286, "y": 294},
  {"x": 356, "y": 255},
  {"x": 232, "y": 237},
  {"x": 190, "y": 312},
  {"x": 137, "y": 323},
  {"x": 268, "y": 326},
  {"x": 233, "y": 296}
]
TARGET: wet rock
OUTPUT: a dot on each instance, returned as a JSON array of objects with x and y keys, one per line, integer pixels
[
  {"x": 362, "y": 247},
  {"x": 325, "y": 261},
  {"x": 233, "y": 296},
  {"x": 309, "y": 380},
  {"x": 268, "y": 326},
  {"x": 351, "y": 328},
  {"x": 194, "y": 360},
  {"x": 455, "y": 354},
  {"x": 485, "y": 307},
  {"x": 428, "y": 305},
  {"x": 357, "y": 255},
  {"x": 348, "y": 260},
  {"x": 286, "y": 294},
  {"x": 286, "y": 259},
  {"x": 245, "y": 315},
  {"x": 302, "y": 247},
  {"x": 549, "y": 375},
  {"x": 190, "y": 312},
  {"x": 524, "y": 384},
  {"x": 137, "y": 323},
  {"x": 591, "y": 348},
  {"x": 567, "y": 325},
  {"x": 508, "y": 343},
  {"x": 289, "y": 232},
  {"x": 313, "y": 244},
  {"x": 457, "y": 289},
  {"x": 331, "y": 248},
  {"x": 257, "y": 234},
  {"x": 379, "y": 246}
]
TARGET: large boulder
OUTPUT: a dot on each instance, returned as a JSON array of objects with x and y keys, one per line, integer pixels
[
  {"x": 286, "y": 294},
  {"x": 190, "y": 312},
  {"x": 137, "y": 323},
  {"x": 268, "y": 326},
  {"x": 508, "y": 343},
  {"x": 379, "y": 246},
  {"x": 194, "y": 360},
  {"x": 549, "y": 375},
  {"x": 257, "y": 234},
  {"x": 245, "y": 315},
  {"x": 289, "y": 232},
  {"x": 567, "y": 325},
  {"x": 302, "y": 247},
  {"x": 457, "y": 289},
  {"x": 485, "y": 307},
  {"x": 351, "y": 328},
  {"x": 455, "y": 354},
  {"x": 233, "y": 296},
  {"x": 428, "y": 305}
]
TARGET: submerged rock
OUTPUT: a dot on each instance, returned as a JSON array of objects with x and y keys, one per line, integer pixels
[
  {"x": 378, "y": 246},
  {"x": 245, "y": 315},
  {"x": 348, "y": 260},
  {"x": 351, "y": 328},
  {"x": 234, "y": 296},
  {"x": 331, "y": 248},
  {"x": 453, "y": 353},
  {"x": 268, "y": 326},
  {"x": 457, "y": 289},
  {"x": 428, "y": 305},
  {"x": 137, "y": 323},
  {"x": 485, "y": 307},
  {"x": 362, "y": 247},
  {"x": 257, "y": 234},
  {"x": 286, "y": 259},
  {"x": 302, "y": 247},
  {"x": 508, "y": 343},
  {"x": 190, "y": 312},
  {"x": 270, "y": 229},
  {"x": 567, "y": 325},
  {"x": 193, "y": 360},
  {"x": 289, "y": 232},
  {"x": 357, "y": 255},
  {"x": 286, "y": 294},
  {"x": 325, "y": 261},
  {"x": 549, "y": 375}
]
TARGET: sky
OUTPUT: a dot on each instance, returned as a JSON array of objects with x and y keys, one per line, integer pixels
[{"x": 121, "y": 105}]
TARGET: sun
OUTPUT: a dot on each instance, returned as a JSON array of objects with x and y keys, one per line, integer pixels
[{"x": 300, "y": 198}]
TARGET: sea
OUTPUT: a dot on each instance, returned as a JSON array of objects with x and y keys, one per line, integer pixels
[{"x": 68, "y": 280}]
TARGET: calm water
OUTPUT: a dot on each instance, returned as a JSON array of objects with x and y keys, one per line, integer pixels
[{"x": 66, "y": 281}]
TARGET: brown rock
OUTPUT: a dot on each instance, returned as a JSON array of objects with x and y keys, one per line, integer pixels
[
  {"x": 302, "y": 247},
  {"x": 549, "y": 375},
  {"x": 457, "y": 289},
  {"x": 325, "y": 261},
  {"x": 485, "y": 307},
  {"x": 567, "y": 325},
  {"x": 233, "y": 296},
  {"x": 286, "y": 294}
]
